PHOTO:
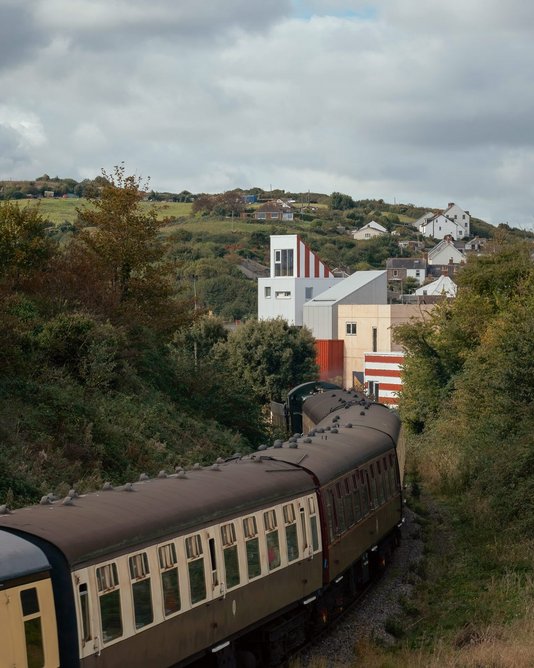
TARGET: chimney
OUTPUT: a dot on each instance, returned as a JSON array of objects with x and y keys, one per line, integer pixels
[{"x": 451, "y": 204}]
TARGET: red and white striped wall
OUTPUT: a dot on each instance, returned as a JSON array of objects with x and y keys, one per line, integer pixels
[
  {"x": 384, "y": 370},
  {"x": 308, "y": 263}
]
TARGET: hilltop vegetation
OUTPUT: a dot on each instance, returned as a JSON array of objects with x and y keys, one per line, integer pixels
[{"x": 107, "y": 366}]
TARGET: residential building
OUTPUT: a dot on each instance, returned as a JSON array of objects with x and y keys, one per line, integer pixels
[
  {"x": 459, "y": 216},
  {"x": 320, "y": 314},
  {"x": 274, "y": 210},
  {"x": 445, "y": 253},
  {"x": 444, "y": 286},
  {"x": 297, "y": 275},
  {"x": 382, "y": 375},
  {"x": 400, "y": 268},
  {"x": 369, "y": 231},
  {"x": 439, "y": 226}
]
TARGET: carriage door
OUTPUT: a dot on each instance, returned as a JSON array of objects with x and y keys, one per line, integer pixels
[
  {"x": 89, "y": 643},
  {"x": 218, "y": 587}
]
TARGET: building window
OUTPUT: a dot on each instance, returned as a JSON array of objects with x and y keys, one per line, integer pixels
[
  {"x": 350, "y": 328},
  {"x": 262, "y": 215},
  {"x": 283, "y": 294},
  {"x": 308, "y": 294},
  {"x": 375, "y": 339},
  {"x": 267, "y": 292},
  {"x": 417, "y": 273},
  {"x": 283, "y": 262},
  {"x": 395, "y": 272}
]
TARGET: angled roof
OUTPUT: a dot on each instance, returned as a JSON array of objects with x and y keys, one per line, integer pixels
[
  {"x": 443, "y": 286},
  {"x": 275, "y": 206},
  {"x": 406, "y": 263},
  {"x": 441, "y": 245},
  {"x": 373, "y": 225},
  {"x": 345, "y": 288}
]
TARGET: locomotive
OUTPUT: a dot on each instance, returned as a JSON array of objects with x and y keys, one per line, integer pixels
[{"x": 234, "y": 564}]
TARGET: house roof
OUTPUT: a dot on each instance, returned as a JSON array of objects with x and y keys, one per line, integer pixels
[
  {"x": 275, "y": 206},
  {"x": 345, "y": 288},
  {"x": 443, "y": 286},
  {"x": 445, "y": 243},
  {"x": 406, "y": 263},
  {"x": 373, "y": 225}
]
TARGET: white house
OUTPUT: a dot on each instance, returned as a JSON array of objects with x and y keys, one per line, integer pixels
[
  {"x": 445, "y": 253},
  {"x": 444, "y": 286},
  {"x": 439, "y": 226},
  {"x": 424, "y": 218},
  {"x": 297, "y": 275},
  {"x": 372, "y": 229},
  {"x": 461, "y": 217}
]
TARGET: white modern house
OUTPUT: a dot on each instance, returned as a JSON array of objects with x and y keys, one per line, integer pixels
[{"x": 297, "y": 275}]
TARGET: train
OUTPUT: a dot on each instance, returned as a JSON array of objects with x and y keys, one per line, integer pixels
[{"x": 234, "y": 564}]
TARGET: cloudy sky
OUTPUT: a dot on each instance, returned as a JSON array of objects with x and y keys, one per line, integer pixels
[{"x": 422, "y": 101}]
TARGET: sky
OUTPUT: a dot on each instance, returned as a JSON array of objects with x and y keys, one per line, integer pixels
[{"x": 412, "y": 101}]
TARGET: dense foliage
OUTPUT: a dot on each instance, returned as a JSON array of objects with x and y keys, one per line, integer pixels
[
  {"x": 108, "y": 365},
  {"x": 469, "y": 389}
]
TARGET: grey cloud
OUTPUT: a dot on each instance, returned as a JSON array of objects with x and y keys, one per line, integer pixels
[{"x": 20, "y": 35}]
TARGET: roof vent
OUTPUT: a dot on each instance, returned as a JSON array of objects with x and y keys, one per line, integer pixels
[
  {"x": 181, "y": 474},
  {"x": 278, "y": 443},
  {"x": 297, "y": 435},
  {"x": 128, "y": 487},
  {"x": 177, "y": 469},
  {"x": 107, "y": 486},
  {"x": 262, "y": 447},
  {"x": 307, "y": 440},
  {"x": 4, "y": 510},
  {"x": 292, "y": 439},
  {"x": 219, "y": 460},
  {"x": 334, "y": 431},
  {"x": 362, "y": 412},
  {"x": 349, "y": 425},
  {"x": 162, "y": 474},
  {"x": 320, "y": 430},
  {"x": 236, "y": 455},
  {"x": 197, "y": 467},
  {"x": 45, "y": 500},
  {"x": 293, "y": 445},
  {"x": 73, "y": 494},
  {"x": 67, "y": 501},
  {"x": 144, "y": 476},
  {"x": 215, "y": 467}
]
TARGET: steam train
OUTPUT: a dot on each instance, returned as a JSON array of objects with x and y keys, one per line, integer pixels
[{"x": 233, "y": 564}]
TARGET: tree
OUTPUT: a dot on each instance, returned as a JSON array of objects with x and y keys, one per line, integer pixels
[
  {"x": 341, "y": 202},
  {"x": 24, "y": 245},
  {"x": 270, "y": 356}
]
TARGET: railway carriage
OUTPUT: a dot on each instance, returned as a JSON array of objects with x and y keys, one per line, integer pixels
[{"x": 233, "y": 564}]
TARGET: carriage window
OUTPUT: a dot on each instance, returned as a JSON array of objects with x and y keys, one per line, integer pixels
[
  {"x": 33, "y": 632},
  {"x": 141, "y": 591},
  {"x": 379, "y": 484},
  {"x": 273, "y": 544},
  {"x": 110, "y": 602},
  {"x": 331, "y": 514},
  {"x": 84, "y": 609},
  {"x": 313, "y": 523},
  {"x": 347, "y": 502},
  {"x": 372, "y": 486},
  {"x": 356, "y": 501},
  {"x": 364, "y": 491},
  {"x": 169, "y": 579},
  {"x": 342, "y": 523},
  {"x": 253, "y": 548},
  {"x": 231, "y": 561},
  {"x": 291, "y": 533},
  {"x": 197, "y": 578}
]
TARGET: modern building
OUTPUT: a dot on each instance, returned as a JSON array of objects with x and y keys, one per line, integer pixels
[{"x": 297, "y": 275}]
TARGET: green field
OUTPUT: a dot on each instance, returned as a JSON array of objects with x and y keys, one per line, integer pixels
[{"x": 58, "y": 211}]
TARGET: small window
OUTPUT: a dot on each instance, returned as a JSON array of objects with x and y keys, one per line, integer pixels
[
  {"x": 193, "y": 546},
  {"x": 110, "y": 602},
  {"x": 84, "y": 612},
  {"x": 291, "y": 532},
  {"x": 308, "y": 294},
  {"x": 228, "y": 534},
  {"x": 395, "y": 272},
  {"x": 282, "y": 294},
  {"x": 141, "y": 590},
  {"x": 249, "y": 527},
  {"x": 262, "y": 215},
  {"x": 269, "y": 520},
  {"x": 169, "y": 579},
  {"x": 33, "y": 632},
  {"x": 350, "y": 328},
  {"x": 267, "y": 292}
]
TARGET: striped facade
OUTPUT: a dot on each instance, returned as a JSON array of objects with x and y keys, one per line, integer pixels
[
  {"x": 308, "y": 264},
  {"x": 383, "y": 376}
]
